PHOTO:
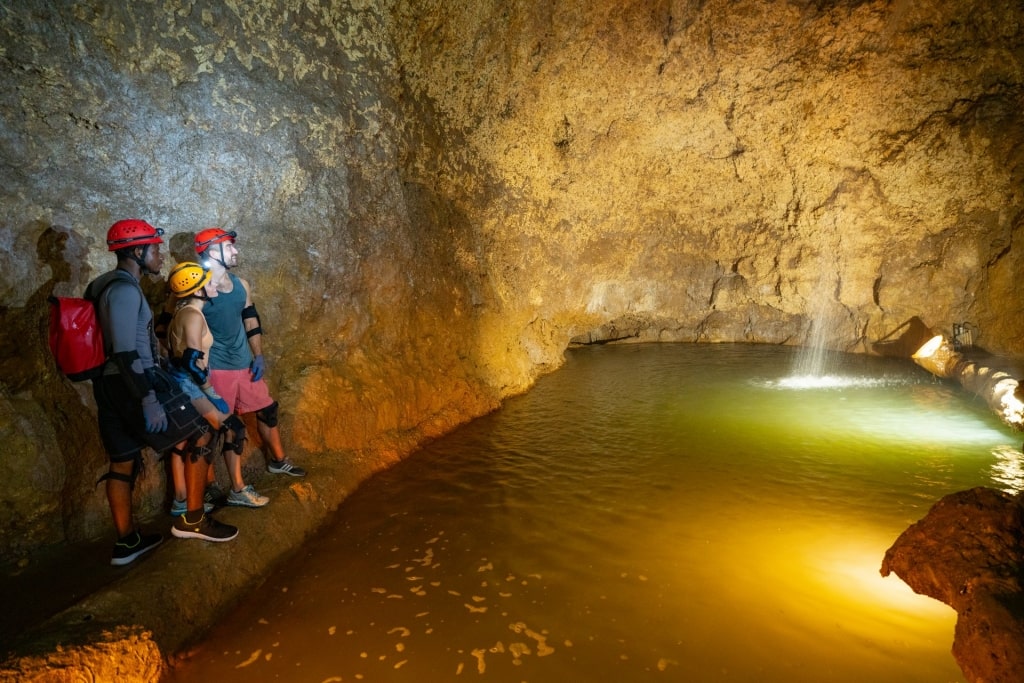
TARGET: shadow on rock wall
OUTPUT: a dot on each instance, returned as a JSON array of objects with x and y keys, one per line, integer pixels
[{"x": 52, "y": 454}]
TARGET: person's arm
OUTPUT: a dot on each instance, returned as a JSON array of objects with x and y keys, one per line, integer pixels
[
  {"x": 124, "y": 305},
  {"x": 254, "y": 333},
  {"x": 193, "y": 327}
]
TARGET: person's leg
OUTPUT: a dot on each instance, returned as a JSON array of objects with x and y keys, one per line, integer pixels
[
  {"x": 233, "y": 432},
  {"x": 178, "y": 476},
  {"x": 196, "y": 522},
  {"x": 130, "y": 544},
  {"x": 195, "y": 473},
  {"x": 114, "y": 413},
  {"x": 234, "y": 462},
  {"x": 270, "y": 433},
  {"x": 271, "y": 437},
  {"x": 119, "y": 497},
  {"x": 254, "y": 397}
]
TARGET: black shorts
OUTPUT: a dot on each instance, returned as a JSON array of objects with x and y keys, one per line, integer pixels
[{"x": 123, "y": 428}]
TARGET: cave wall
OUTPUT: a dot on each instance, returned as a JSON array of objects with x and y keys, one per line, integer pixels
[
  {"x": 283, "y": 121},
  {"x": 729, "y": 170},
  {"x": 434, "y": 199}
]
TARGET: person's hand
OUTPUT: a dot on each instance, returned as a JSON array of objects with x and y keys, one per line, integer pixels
[
  {"x": 256, "y": 368},
  {"x": 217, "y": 400},
  {"x": 153, "y": 412}
]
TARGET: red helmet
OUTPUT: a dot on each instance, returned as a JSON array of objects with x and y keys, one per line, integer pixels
[
  {"x": 211, "y": 236},
  {"x": 132, "y": 232}
]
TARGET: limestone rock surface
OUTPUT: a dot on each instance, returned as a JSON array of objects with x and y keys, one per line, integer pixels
[
  {"x": 434, "y": 199},
  {"x": 968, "y": 552}
]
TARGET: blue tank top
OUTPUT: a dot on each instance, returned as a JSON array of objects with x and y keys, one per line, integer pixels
[{"x": 230, "y": 350}]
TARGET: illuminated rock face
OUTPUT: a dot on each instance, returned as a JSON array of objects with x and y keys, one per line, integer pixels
[
  {"x": 434, "y": 198},
  {"x": 967, "y": 553}
]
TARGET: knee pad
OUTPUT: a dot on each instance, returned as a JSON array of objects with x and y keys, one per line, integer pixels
[
  {"x": 268, "y": 415},
  {"x": 234, "y": 425}
]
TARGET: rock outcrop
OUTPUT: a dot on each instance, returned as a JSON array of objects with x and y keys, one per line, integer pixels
[{"x": 968, "y": 552}]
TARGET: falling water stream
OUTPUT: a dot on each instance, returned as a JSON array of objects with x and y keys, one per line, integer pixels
[{"x": 647, "y": 513}]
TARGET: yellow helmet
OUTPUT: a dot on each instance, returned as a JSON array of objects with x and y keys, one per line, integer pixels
[{"x": 187, "y": 278}]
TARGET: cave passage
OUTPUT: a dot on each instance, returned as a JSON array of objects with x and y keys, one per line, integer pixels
[{"x": 646, "y": 513}]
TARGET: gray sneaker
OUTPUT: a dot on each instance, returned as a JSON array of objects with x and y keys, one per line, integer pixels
[
  {"x": 247, "y": 497},
  {"x": 285, "y": 466}
]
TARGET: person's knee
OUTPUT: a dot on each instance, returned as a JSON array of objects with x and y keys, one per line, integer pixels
[{"x": 268, "y": 415}]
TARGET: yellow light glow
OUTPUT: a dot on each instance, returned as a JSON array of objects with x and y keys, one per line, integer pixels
[
  {"x": 937, "y": 357},
  {"x": 929, "y": 347}
]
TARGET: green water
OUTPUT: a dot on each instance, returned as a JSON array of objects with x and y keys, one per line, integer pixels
[{"x": 646, "y": 513}]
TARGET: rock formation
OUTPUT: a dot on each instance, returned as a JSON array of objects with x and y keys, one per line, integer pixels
[
  {"x": 433, "y": 198},
  {"x": 968, "y": 553}
]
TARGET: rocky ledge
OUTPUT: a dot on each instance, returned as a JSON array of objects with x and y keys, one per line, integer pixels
[{"x": 968, "y": 552}]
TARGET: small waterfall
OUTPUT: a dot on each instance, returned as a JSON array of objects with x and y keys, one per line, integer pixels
[{"x": 813, "y": 365}]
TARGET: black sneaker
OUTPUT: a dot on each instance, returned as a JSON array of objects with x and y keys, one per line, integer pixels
[
  {"x": 132, "y": 546},
  {"x": 207, "y": 528},
  {"x": 214, "y": 496}
]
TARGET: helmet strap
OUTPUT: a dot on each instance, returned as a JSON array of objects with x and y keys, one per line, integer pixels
[
  {"x": 140, "y": 261},
  {"x": 222, "y": 261}
]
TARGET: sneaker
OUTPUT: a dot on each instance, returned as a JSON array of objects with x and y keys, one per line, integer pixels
[
  {"x": 179, "y": 507},
  {"x": 247, "y": 497},
  {"x": 213, "y": 496},
  {"x": 132, "y": 546},
  {"x": 207, "y": 528},
  {"x": 285, "y": 466}
]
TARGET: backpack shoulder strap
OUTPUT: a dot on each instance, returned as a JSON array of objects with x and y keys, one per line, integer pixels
[{"x": 96, "y": 288}]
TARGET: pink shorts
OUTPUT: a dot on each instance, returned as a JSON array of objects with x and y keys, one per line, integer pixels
[{"x": 242, "y": 394}]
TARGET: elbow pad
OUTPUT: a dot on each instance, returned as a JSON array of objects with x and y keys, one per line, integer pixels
[
  {"x": 190, "y": 360},
  {"x": 250, "y": 312},
  {"x": 130, "y": 367}
]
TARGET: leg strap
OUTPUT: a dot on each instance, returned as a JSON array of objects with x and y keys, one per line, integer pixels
[
  {"x": 127, "y": 478},
  {"x": 197, "y": 446},
  {"x": 204, "y": 452},
  {"x": 117, "y": 476}
]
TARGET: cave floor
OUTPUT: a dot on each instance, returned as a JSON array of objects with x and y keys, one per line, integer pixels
[{"x": 53, "y": 579}]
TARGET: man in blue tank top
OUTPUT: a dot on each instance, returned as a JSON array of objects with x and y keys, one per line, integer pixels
[
  {"x": 129, "y": 413},
  {"x": 236, "y": 358}
]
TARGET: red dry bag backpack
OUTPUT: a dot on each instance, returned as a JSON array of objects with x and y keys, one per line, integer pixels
[{"x": 76, "y": 340}]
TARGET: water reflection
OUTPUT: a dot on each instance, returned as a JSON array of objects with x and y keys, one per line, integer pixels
[
  {"x": 1008, "y": 469},
  {"x": 647, "y": 513}
]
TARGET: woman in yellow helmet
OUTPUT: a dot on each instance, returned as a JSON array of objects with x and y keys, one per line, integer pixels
[{"x": 188, "y": 343}]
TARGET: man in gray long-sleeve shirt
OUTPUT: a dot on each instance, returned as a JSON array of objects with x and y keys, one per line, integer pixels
[{"x": 129, "y": 414}]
